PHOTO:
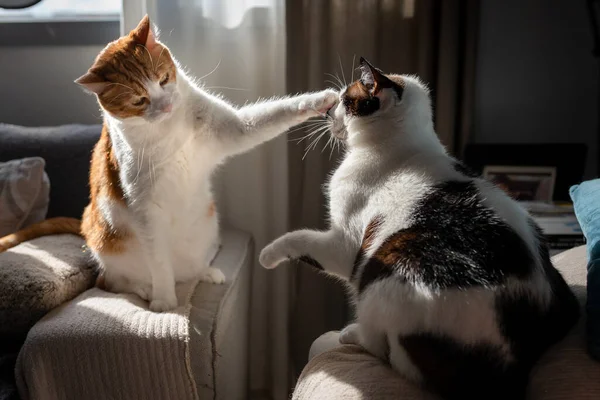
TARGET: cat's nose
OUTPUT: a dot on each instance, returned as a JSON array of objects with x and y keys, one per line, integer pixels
[{"x": 167, "y": 108}]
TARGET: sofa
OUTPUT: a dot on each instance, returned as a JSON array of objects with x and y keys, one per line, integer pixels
[
  {"x": 565, "y": 372},
  {"x": 84, "y": 343}
]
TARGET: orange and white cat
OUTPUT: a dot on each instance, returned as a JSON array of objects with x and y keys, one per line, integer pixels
[{"x": 151, "y": 221}]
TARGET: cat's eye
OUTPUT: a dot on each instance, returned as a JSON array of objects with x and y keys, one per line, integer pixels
[
  {"x": 141, "y": 101},
  {"x": 164, "y": 80}
]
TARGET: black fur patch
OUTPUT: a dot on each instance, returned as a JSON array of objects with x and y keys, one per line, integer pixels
[
  {"x": 530, "y": 328},
  {"x": 361, "y": 106},
  {"x": 311, "y": 261},
  {"x": 359, "y": 101},
  {"x": 454, "y": 242},
  {"x": 466, "y": 171},
  {"x": 464, "y": 372}
]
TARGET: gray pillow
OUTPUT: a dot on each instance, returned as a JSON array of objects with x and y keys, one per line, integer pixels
[
  {"x": 24, "y": 193},
  {"x": 41, "y": 274}
]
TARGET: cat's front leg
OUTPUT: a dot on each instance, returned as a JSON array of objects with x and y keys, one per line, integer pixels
[
  {"x": 350, "y": 334},
  {"x": 155, "y": 242},
  {"x": 329, "y": 251},
  {"x": 373, "y": 341},
  {"x": 262, "y": 121}
]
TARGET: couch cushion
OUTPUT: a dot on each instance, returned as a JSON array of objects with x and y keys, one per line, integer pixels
[
  {"x": 24, "y": 193},
  {"x": 110, "y": 346},
  {"x": 67, "y": 152},
  {"x": 565, "y": 372},
  {"x": 35, "y": 277},
  {"x": 39, "y": 275}
]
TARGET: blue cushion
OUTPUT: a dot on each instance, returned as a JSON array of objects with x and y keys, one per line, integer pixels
[{"x": 586, "y": 201}]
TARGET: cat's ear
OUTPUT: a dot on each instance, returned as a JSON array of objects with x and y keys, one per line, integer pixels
[
  {"x": 144, "y": 34},
  {"x": 91, "y": 82},
  {"x": 373, "y": 78}
]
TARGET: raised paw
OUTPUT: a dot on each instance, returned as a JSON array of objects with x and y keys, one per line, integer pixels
[
  {"x": 213, "y": 275},
  {"x": 319, "y": 103},
  {"x": 350, "y": 334},
  {"x": 271, "y": 256}
]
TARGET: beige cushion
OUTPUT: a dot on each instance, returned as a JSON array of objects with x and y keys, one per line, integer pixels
[
  {"x": 24, "y": 193},
  {"x": 565, "y": 372},
  {"x": 37, "y": 276}
]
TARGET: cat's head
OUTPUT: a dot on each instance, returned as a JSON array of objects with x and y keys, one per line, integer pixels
[
  {"x": 134, "y": 77},
  {"x": 377, "y": 98}
]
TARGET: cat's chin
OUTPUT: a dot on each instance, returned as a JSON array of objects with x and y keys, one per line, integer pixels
[{"x": 339, "y": 133}]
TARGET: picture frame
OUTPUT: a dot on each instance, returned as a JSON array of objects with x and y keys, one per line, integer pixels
[{"x": 523, "y": 183}]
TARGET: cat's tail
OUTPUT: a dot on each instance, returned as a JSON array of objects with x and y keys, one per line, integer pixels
[{"x": 52, "y": 226}]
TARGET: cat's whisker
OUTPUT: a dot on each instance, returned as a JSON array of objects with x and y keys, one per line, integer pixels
[
  {"x": 140, "y": 161},
  {"x": 342, "y": 69},
  {"x": 318, "y": 129},
  {"x": 117, "y": 96},
  {"x": 225, "y": 87},
  {"x": 211, "y": 72},
  {"x": 333, "y": 144},
  {"x": 158, "y": 59},
  {"x": 337, "y": 78},
  {"x": 327, "y": 143},
  {"x": 309, "y": 135},
  {"x": 308, "y": 148},
  {"x": 149, "y": 55},
  {"x": 120, "y": 84},
  {"x": 304, "y": 127},
  {"x": 335, "y": 84},
  {"x": 314, "y": 143}
]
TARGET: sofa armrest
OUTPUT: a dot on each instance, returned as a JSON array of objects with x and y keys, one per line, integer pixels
[{"x": 110, "y": 346}]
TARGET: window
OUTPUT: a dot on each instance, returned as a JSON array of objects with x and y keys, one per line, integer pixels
[{"x": 64, "y": 11}]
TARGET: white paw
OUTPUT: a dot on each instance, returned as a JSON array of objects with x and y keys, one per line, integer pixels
[
  {"x": 213, "y": 275},
  {"x": 350, "y": 334},
  {"x": 271, "y": 256},
  {"x": 318, "y": 103},
  {"x": 161, "y": 305},
  {"x": 143, "y": 291}
]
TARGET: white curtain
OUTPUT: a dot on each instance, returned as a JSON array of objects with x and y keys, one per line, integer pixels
[{"x": 240, "y": 46}]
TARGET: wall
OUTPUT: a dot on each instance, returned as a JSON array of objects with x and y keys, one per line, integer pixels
[
  {"x": 37, "y": 85},
  {"x": 536, "y": 76}
]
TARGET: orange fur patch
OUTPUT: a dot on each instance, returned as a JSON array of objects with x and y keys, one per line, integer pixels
[
  {"x": 104, "y": 184},
  {"x": 121, "y": 70},
  {"x": 52, "y": 226},
  {"x": 212, "y": 209}
]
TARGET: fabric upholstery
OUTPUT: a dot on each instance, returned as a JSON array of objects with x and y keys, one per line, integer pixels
[
  {"x": 24, "y": 193},
  {"x": 565, "y": 372},
  {"x": 67, "y": 152},
  {"x": 586, "y": 201},
  {"x": 39, "y": 275},
  {"x": 35, "y": 277},
  {"x": 110, "y": 346}
]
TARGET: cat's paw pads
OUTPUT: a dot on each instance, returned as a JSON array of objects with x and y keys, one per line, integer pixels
[
  {"x": 319, "y": 103},
  {"x": 162, "y": 305},
  {"x": 270, "y": 257},
  {"x": 213, "y": 275},
  {"x": 349, "y": 335}
]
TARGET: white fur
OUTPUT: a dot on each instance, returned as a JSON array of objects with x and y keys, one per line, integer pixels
[
  {"x": 166, "y": 160},
  {"x": 393, "y": 159}
]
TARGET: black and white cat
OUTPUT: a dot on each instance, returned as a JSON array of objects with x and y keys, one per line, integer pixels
[{"x": 452, "y": 280}]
